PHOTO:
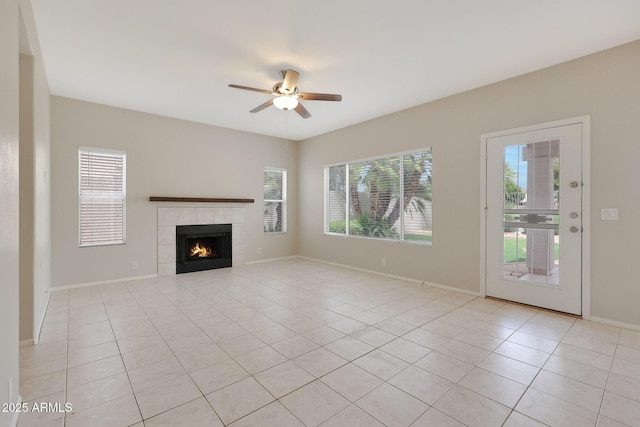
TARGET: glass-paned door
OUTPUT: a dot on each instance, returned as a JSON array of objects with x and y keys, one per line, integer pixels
[{"x": 534, "y": 218}]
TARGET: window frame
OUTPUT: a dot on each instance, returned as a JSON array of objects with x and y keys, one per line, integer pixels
[
  {"x": 347, "y": 164},
  {"x": 119, "y": 196},
  {"x": 283, "y": 201}
]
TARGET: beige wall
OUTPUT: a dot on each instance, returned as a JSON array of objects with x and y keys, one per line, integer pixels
[
  {"x": 26, "y": 197},
  {"x": 9, "y": 201},
  {"x": 35, "y": 191},
  {"x": 165, "y": 157},
  {"x": 605, "y": 85}
]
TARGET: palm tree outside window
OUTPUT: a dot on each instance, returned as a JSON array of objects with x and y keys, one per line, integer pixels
[{"x": 385, "y": 198}]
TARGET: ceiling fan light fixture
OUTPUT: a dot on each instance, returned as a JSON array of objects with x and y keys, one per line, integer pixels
[
  {"x": 287, "y": 97},
  {"x": 285, "y": 102}
]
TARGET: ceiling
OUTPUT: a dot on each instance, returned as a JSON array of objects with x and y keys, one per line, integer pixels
[{"x": 176, "y": 58}]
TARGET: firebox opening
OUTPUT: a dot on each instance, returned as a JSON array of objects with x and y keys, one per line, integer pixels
[{"x": 203, "y": 247}]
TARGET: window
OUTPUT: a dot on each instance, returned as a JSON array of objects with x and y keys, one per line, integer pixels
[
  {"x": 102, "y": 196},
  {"x": 275, "y": 200},
  {"x": 385, "y": 198}
]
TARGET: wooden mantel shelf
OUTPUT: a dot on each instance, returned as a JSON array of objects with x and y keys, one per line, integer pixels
[{"x": 197, "y": 200}]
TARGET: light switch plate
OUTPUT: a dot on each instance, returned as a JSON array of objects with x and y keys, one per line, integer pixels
[{"x": 609, "y": 214}]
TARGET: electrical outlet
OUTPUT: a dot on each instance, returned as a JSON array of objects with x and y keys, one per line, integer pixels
[
  {"x": 134, "y": 265},
  {"x": 383, "y": 262}
]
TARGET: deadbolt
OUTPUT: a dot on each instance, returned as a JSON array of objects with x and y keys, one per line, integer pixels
[
  {"x": 573, "y": 215},
  {"x": 573, "y": 229}
]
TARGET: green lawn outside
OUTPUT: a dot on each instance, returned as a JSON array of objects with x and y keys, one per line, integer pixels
[
  {"x": 421, "y": 238},
  {"x": 510, "y": 250}
]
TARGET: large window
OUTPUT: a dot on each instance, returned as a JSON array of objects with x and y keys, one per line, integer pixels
[
  {"x": 102, "y": 196},
  {"x": 275, "y": 200},
  {"x": 386, "y": 198}
]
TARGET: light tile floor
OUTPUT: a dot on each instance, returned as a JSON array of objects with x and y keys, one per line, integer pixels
[{"x": 292, "y": 343}]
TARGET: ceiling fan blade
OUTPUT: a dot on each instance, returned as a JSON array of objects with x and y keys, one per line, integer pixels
[
  {"x": 251, "y": 88},
  {"x": 262, "y": 106},
  {"x": 319, "y": 97},
  {"x": 290, "y": 81},
  {"x": 302, "y": 111}
]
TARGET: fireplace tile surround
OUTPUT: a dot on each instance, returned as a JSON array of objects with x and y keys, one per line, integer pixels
[{"x": 169, "y": 217}]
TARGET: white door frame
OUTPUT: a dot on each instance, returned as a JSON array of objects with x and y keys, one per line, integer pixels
[{"x": 585, "y": 121}]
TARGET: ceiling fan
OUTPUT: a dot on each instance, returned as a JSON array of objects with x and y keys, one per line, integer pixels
[{"x": 287, "y": 96}]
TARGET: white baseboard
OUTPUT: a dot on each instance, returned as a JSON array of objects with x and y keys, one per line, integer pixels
[
  {"x": 16, "y": 415},
  {"x": 615, "y": 323},
  {"x": 38, "y": 329},
  {"x": 270, "y": 259},
  {"x": 391, "y": 276},
  {"x": 102, "y": 282}
]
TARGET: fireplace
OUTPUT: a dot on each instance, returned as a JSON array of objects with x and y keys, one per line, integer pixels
[{"x": 202, "y": 247}]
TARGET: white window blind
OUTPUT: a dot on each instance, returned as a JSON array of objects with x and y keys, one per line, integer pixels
[
  {"x": 275, "y": 200},
  {"x": 102, "y": 196},
  {"x": 336, "y": 196},
  {"x": 387, "y": 198},
  {"x": 417, "y": 217}
]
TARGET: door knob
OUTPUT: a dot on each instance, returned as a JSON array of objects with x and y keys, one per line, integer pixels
[{"x": 573, "y": 229}]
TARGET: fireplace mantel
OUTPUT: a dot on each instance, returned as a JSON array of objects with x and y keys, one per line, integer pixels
[{"x": 197, "y": 199}]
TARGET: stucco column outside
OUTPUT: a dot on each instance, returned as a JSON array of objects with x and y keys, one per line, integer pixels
[{"x": 540, "y": 243}]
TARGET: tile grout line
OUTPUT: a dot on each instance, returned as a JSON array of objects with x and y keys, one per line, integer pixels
[
  {"x": 604, "y": 392},
  {"x": 119, "y": 351},
  {"x": 248, "y": 373}
]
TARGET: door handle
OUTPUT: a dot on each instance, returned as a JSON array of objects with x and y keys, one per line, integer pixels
[{"x": 573, "y": 229}]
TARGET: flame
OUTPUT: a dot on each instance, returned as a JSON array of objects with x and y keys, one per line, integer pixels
[{"x": 201, "y": 251}]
